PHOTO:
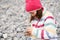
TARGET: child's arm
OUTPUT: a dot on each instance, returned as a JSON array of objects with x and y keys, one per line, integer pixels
[{"x": 50, "y": 24}]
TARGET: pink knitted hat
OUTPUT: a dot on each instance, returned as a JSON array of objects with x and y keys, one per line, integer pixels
[{"x": 33, "y": 5}]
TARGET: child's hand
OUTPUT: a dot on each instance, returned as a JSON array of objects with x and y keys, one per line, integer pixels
[{"x": 28, "y": 32}]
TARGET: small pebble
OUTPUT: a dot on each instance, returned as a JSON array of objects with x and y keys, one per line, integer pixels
[{"x": 5, "y": 35}]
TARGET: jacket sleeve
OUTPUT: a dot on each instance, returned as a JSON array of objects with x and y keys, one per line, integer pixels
[
  {"x": 35, "y": 31},
  {"x": 50, "y": 24}
]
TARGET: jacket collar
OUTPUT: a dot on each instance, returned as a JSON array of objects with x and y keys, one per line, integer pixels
[{"x": 44, "y": 12}]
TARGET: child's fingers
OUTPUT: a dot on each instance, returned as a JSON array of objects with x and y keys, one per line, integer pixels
[
  {"x": 29, "y": 29},
  {"x": 27, "y": 33}
]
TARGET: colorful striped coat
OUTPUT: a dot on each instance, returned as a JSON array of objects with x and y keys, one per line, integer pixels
[{"x": 45, "y": 28}]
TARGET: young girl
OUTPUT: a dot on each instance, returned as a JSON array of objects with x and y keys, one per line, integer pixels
[{"x": 43, "y": 24}]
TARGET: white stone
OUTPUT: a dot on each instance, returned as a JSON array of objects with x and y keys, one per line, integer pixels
[
  {"x": 5, "y": 35},
  {"x": 18, "y": 29},
  {"x": 15, "y": 38}
]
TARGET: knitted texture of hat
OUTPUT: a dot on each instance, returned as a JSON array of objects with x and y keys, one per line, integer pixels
[{"x": 33, "y": 5}]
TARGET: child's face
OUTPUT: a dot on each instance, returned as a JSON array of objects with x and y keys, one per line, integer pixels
[{"x": 33, "y": 13}]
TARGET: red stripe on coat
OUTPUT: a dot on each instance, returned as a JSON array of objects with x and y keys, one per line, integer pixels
[
  {"x": 49, "y": 17},
  {"x": 42, "y": 34},
  {"x": 36, "y": 26}
]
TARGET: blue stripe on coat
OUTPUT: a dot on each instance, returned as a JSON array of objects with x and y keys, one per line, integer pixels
[
  {"x": 48, "y": 35},
  {"x": 37, "y": 33},
  {"x": 50, "y": 24}
]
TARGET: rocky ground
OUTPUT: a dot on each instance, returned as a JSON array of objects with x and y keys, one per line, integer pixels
[{"x": 14, "y": 19}]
